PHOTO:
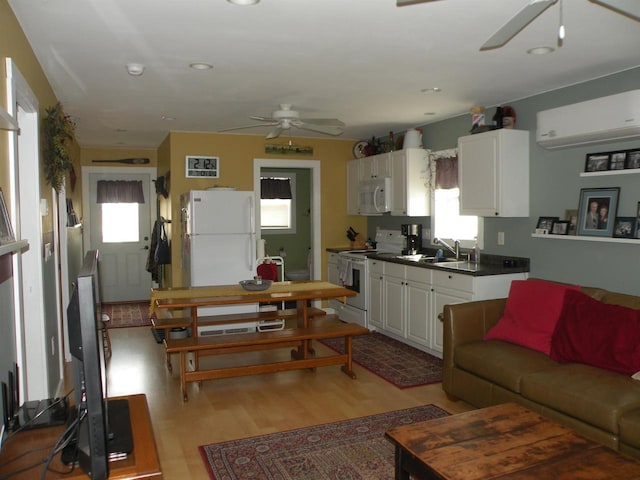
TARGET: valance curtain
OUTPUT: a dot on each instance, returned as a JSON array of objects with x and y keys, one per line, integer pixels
[
  {"x": 120, "y": 191},
  {"x": 447, "y": 173},
  {"x": 275, "y": 188}
]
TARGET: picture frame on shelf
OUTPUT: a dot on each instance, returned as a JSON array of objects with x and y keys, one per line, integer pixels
[
  {"x": 598, "y": 208},
  {"x": 597, "y": 162},
  {"x": 572, "y": 217},
  {"x": 6, "y": 230},
  {"x": 561, "y": 227},
  {"x": 624, "y": 227},
  {"x": 637, "y": 230},
  {"x": 545, "y": 224},
  {"x": 618, "y": 161},
  {"x": 633, "y": 159}
]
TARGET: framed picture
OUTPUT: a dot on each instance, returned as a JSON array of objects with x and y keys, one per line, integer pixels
[
  {"x": 572, "y": 217},
  {"x": 6, "y": 230},
  {"x": 561, "y": 227},
  {"x": 624, "y": 227},
  {"x": 598, "y": 208},
  {"x": 597, "y": 162},
  {"x": 618, "y": 161},
  {"x": 637, "y": 230},
  {"x": 545, "y": 223},
  {"x": 633, "y": 159}
]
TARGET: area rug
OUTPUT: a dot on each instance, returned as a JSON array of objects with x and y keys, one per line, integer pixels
[
  {"x": 351, "y": 449},
  {"x": 127, "y": 314},
  {"x": 396, "y": 362}
]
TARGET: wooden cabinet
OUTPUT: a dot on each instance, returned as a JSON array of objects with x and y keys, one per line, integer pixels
[
  {"x": 375, "y": 166},
  {"x": 375, "y": 308},
  {"x": 493, "y": 173},
  {"x": 410, "y": 182},
  {"x": 353, "y": 182}
]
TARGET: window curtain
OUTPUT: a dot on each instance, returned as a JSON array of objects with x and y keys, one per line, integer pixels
[
  {"x": 275, "y": 188},
  {"x": 120, "y": 191},
  {"x": 446, "y": 165}
]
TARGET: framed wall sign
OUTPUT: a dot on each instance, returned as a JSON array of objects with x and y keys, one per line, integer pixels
[{"x": 197, "y": 166}]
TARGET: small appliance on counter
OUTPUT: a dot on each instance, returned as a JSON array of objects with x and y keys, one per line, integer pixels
[{"x": 413, "y": 238}]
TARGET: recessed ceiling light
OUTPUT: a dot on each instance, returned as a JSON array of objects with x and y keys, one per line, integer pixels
[
  {"x": 135, "y": 69},
  {"x": 121, "y": 130},
  {"x": 168, "y": 118},
  {"x": 430, "y": 90},
  {"x": 243, "y": 2},
  {"x": 544, "y": 49},
  {"x": 201, "y": 66},
  {"x": 429, "y": 113}
]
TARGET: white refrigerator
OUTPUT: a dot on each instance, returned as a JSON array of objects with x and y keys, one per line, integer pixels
[{"x": 219, "y": 246}]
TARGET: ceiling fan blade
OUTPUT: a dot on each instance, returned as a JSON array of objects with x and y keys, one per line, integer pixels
[
  {"x": 328, "y": 129},
  {"x": 333, "y": 122},
  {"x": 275, "y": 132},
  {"x": 248, "y": 126},
  {"x": 404, "y": 3},
  {"x": 521, "y": 19},
  {"x": 629, "y": 8}
]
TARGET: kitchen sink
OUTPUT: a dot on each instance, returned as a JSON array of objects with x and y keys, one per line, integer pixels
[
  {"x": 426, "y": 259},
  {"x": 458, "y": 265}
]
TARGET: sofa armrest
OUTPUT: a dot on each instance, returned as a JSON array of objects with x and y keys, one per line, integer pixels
[{"x": 466, "y": 323}]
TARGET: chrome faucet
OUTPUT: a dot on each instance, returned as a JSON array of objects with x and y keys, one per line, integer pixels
[{"x": 455, "y": 249}]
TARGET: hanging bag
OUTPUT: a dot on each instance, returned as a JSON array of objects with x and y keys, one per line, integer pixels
[{"x": 163, "y": 250}]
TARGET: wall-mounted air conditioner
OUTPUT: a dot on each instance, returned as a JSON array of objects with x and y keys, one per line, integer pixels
[{"x": 604, "y": 119}]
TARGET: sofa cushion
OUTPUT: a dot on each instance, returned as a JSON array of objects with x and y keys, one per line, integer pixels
[
  {"x": 595, "y": 396},
  {"x": 501, "y": 362},
  {"x": 630, "y": 428},
  {"x": 531, "y": 313},
  {"x": 598, "y": 334}
]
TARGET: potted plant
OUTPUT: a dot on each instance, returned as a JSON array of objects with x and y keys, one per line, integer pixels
[{"x": 57, "y": 130}]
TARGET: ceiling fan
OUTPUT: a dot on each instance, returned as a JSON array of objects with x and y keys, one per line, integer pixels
[
  {"x": 285, "y": 118},
  {"x": 629, "y": 8}
]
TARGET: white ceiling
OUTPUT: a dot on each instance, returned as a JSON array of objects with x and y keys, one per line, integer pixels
[{"x": 362, "y": 61}]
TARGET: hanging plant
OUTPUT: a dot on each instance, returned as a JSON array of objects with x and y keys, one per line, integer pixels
[{"x": 57, "y": 130}]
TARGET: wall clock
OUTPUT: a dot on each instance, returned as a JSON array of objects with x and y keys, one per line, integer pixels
[{"x": 202, "y": 167}]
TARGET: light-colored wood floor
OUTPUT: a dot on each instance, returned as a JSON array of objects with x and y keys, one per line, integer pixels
[{"x": 233, "y": 408}]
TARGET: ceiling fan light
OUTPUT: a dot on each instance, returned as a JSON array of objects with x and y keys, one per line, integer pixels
[
  {"x": 135, "y": 69},
  {"x": 541, "y": 50}
]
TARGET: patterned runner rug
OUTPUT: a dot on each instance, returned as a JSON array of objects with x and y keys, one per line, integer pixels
[
  {"x": 127, "y": 314},
  {"x": 396, "y": 362},
  {"x": 350, "y": 449}
]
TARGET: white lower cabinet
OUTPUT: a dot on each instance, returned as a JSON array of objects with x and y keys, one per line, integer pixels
[
  {"x": 332, "y": 268},
  {"x": 407, "y": 302}
]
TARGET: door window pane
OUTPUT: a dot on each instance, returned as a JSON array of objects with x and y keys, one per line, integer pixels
[{"x": 120, "y": 222}]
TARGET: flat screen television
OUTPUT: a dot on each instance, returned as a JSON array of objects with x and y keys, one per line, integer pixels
[{"x": 89, "y": 370}]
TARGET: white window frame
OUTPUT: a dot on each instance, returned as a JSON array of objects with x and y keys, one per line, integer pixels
[{"x": 293, "y": 212}]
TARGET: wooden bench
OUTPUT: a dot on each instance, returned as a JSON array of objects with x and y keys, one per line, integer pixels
[
  {"x": 328, "y": 327},
  {"x": 162, "y": 321}
]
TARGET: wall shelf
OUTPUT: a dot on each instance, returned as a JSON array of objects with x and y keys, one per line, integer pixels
[
  {"x": 586, "y": 238},
  {"x": 610, "y": 172},
  {"x": 13, "y": 247},
  {"x": 7, "y": 122}
]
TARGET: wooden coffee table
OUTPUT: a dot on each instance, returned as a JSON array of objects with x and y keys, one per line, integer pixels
[{"x": 500, "y": 442}]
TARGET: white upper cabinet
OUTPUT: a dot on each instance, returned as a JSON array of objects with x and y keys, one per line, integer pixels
[
  {"x": 493, "y": 173},
  {"x": 375, "y": 166},
  {"x": 410, "y": 192}
]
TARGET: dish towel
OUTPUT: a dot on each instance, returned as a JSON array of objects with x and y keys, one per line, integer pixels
[{"x": 345, "y": 272}]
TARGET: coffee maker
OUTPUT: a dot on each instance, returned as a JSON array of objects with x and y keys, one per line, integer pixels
[{"x": 413, "y": 238}]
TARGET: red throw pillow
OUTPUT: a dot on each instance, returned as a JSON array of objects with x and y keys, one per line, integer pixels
[
  {"x": 599, "y": 334},
  {"x": 531, "y": 313}
]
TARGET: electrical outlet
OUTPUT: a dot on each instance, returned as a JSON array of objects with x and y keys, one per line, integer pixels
[{"x": 500, "y": 238}]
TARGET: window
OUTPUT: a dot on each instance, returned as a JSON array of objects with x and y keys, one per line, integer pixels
[
  {"x": 120, "y": 222},
  {"x": 278, "y": 215},
  {"x": 447, "y": 223}
]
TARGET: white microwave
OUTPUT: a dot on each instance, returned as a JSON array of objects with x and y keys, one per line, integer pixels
[{"x": 374, "y": 196}]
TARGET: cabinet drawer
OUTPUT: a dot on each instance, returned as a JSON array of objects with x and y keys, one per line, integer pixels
[
  {"x": 332, "y": 258},
  {"x": 394, "y": 270},
  {"x": 376, "y": 266},
  {"x": 456, "y": 281},
  {"x": 418, "y": 274}
]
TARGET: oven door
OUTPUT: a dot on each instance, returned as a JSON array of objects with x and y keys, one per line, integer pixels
[{"x": 358, "y": 285}]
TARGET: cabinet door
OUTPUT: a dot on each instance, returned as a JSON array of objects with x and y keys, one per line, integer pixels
[
  {"x": 442, "y": 297},
  {"x": 394, "y": 305},
  {"x": 376, "y": 300},
  {"x": 398, "y": 183},
  {"x": 477, "y": 175},
  {"x": 419, "y": 312},
  {"x": 353, "y": 182},
  {"x": 332, "y": 269},
  {"x": 383, "y": 165}
]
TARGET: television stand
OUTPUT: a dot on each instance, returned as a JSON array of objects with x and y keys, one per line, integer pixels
[{"x": 142, "y": 462}]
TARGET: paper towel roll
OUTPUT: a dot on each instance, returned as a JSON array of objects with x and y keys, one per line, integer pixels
[{"x": 261, "y": 248}]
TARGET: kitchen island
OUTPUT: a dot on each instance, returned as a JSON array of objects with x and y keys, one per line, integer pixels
[{"x": 328, "y": 326}]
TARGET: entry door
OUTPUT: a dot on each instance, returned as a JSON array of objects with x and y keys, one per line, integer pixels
[{"x": 123, "y": 261}]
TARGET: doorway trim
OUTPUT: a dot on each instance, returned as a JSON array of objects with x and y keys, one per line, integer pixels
[{"x": 316, "y": 214}]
